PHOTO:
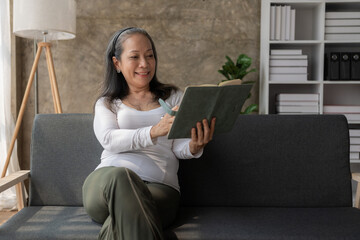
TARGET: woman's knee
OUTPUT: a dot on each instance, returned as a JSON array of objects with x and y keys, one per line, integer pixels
[
  {"x": 113, "y": 182},
  {"x": 109, "y": 184},
  {"x": 93, "y": 198},
  {"x": 100, "y": 186}
]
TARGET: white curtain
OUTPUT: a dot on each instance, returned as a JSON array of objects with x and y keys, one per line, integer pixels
[{"x": 7, "y": 198}]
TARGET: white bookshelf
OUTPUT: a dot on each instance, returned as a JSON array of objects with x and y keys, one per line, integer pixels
[{"x": 310, "y": 37}]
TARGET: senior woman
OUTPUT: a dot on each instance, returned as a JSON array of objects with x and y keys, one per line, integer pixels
[{"x": 134, "y": 191}]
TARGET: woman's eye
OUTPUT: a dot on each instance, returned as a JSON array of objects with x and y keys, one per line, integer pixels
[
  {"x": 133, "y": 57},
  {"x": 150, "y": 56}
]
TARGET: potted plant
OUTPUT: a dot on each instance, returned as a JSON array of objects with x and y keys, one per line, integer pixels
[{"x": 236, "y": 72}]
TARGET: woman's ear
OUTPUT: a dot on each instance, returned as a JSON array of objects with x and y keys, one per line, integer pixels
[{"x": 116, "y": 64}]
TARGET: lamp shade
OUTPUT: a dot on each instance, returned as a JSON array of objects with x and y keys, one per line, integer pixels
[{"x": 56, "y": 18}]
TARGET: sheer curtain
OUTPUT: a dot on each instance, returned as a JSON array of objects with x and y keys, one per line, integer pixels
[{"x": 7, "y": 198}]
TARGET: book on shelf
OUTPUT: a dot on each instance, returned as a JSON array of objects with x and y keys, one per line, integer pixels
[
  {"x": 272, "y": 21},
  {"x": 342, "y": 15},
  {"x": 304, "y": 57},
  {"x": 342, "y": 29},
  {"x": 205, "y": 102},
  {"x": 352, "y": 117},
  {"x": 342, "y": 22},
  {"x": 297, "y": 103},
  {"x": 354, "y": 160},
  {"x": 354, "y": 140},
  {"x": 287, "y": 22},
  {"x": 288, "y": 63},
  {"x": 345, "y": 66},
  {"x": 292, "y": 24},
  {"x": 297, "y": 97},
  {"x": 278, "y": 23},
  {"x": 298, "y": 109},
  {"x": 333, "y": 68},
  {"x": 355, "y": 155},
  {"x": 282, "y": 23},
  {"x": 354, "y": 148},
  {"x": 342, "y": 26},
  {"x": 297, "y": 113},
  {"x": 341, "y": 108},
  {"x": 342, "y": 36},
  {"x": 355, "y": 66},
  {"x": 354, "y": 132},
  {"x": 288, "y": 77},
  {"x": 286, "y": 52},
  {"x": 289, "y": 70}
]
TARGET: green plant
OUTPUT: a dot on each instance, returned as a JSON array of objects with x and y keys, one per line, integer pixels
[{"x": 238, "y": 71}]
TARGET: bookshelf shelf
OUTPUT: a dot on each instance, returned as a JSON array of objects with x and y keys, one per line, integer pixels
[
  {"x": 313, "y": 32},
  {"x": 294, "y": 42},
  {"x": 310, "y": 38},
  {"x": 341, "y": 82},
  {"x": 342, "y": 42},
  {"x": 294, "y": 82}
]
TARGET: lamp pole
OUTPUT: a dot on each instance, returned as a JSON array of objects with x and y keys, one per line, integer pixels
[{"x": 36, "y": 81}]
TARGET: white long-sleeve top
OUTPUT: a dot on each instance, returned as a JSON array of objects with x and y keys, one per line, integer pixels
[{"x": 125, "y": 137}]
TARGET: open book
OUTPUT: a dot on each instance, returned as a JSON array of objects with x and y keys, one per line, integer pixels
[{"x": 205, "y": 102}]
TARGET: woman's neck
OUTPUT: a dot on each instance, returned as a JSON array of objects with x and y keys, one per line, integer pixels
[{"x": 141, "y": 99}]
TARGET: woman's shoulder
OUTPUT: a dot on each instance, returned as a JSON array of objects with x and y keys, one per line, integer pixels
[{"x": 104, "y": 102}]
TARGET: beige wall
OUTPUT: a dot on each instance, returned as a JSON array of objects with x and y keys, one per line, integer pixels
[{"x": 192, "y": 38}]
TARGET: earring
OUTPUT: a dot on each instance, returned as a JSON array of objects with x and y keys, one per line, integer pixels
[{"x": 118, "y": 70}]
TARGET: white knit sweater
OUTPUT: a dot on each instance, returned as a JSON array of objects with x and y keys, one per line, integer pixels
[{"x": 125, "y": 137}]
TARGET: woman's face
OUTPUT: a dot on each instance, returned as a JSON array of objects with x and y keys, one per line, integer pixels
[{"x": 137, "y": 62}]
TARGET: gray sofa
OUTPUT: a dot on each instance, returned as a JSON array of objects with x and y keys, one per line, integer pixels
[{"x": 272, "y": 177}]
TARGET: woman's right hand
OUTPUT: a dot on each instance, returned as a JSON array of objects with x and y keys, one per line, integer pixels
[{"x": 163, "y": 127}]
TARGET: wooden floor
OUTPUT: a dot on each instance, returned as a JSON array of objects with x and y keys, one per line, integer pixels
[{"x": 5, "y": 215}]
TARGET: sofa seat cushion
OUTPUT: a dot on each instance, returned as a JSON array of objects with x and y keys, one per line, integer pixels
[
  {"x": 266, "y": 223},
  {"x": 50, "y": 222}
]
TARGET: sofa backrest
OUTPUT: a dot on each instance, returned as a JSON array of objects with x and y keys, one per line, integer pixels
[
  {"x": 64, "y": 151},
  {"x": 266, "y": 160},
  {"x": 273, "y": 161}
]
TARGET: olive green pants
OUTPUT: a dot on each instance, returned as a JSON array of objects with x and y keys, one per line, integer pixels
[{"x": 128, "y": 207}]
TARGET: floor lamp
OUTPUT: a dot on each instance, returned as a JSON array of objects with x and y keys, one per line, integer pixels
[{"x": 47, "y": 20}]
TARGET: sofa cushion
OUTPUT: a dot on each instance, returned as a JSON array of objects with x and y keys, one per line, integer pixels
[
  {"x": 50, "y": 222},
  {"x": 58, "y": 223},
  {"x": 266, "y": 223},
  {"x": 273, "y": 161},
  {"x": 64, "y": 151}
]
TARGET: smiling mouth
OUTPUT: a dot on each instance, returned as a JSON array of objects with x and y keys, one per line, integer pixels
[{"x": 142, "y": 73}]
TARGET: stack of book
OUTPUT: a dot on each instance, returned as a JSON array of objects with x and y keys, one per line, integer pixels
[
  {"x": 351, "y": 112},
  {"x": 342, "y": 26},
  {"x": 282, "y": 23},
  {"x": 354, "y": 145},
  {"x": 297, "y": 103},
  {"x": 287, "y": 65}
]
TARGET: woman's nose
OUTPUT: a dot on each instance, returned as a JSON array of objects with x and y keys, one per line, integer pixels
[{"x": 143, "y": 62}]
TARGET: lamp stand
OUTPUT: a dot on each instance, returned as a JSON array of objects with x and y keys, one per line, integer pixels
[{"x": 54, "y": 90}]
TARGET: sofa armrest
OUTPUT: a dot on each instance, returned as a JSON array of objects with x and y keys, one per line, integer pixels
[
  {"x": 17, "y": 179},
  {"x": 356, "y": 177}
]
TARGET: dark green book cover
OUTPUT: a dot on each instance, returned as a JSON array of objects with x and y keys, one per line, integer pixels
[{"x": 200, "y": 102}]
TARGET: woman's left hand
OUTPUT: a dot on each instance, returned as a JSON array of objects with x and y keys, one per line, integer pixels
[{"x": 201, "y": 135}]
